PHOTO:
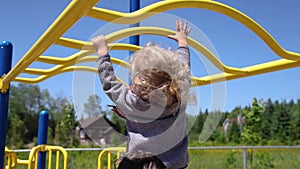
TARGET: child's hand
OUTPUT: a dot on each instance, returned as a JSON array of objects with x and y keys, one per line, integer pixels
[
  {"x": 181, "y": 33},
  {"x": 100, "y": 45}
]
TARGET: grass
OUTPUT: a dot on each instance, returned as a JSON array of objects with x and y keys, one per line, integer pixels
[{"x": 204, "y": 159}]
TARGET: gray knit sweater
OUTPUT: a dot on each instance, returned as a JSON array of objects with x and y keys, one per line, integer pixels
[{"x": 150, "y": 128}]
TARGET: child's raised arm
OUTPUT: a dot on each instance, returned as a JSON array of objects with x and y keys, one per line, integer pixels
[
  {"x": 100, "y": 45},
  {"x": 122, "y": 97},
  {"x": 183, "y": 51},
  {"x": 182, "y": 32}
]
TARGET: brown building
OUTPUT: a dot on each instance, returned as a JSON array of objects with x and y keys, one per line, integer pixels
[{"x": 96, "y": 130}]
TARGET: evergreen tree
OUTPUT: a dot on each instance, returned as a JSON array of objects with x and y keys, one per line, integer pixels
[
  {"x": 65, "y": 130},
  {"x": 252, "y": 131},
  {"x": 267, "y": 118},
  {"x": 284, "y": 118},
  {"x": 199, "y": 122},
  {"x": 295, "y": 124},
  {"x": 234, "y": 133},
  {"x": 275, "y": 121}
]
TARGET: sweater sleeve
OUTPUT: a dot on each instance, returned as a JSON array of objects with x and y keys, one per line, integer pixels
[
  {"x": 126, "y": 101},
  {"x": 184, "y": 57}
]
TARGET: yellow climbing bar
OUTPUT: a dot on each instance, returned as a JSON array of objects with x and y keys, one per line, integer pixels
[
  {"x": 10, "y": 159},
  {"x": 150, "y": 10},
  {"x": 109, "y": 151},
  {"x": 33, "y": 156},
  {"x": 73, "y": 12},
  {"x": 252, "y": 70},
  {"x": 79, "y": 56},
  {"x": 77, "y": 9},
  {"x": 32, "y": 163},
  {"x": 164, "y": 32}
]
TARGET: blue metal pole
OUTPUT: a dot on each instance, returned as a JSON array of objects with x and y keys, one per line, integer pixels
[
  {"x": 135, "y": 40},
  {"x": 134, "y": 6},
  {"x": 42, "y": 137},
  {"x": 5, "y": 66}
]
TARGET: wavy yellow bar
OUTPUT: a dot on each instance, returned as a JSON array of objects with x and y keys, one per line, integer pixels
[
  {"x": 125, "y": 33},
  {"x": 150, "y": 10},
  {"x": 157, "y": 31},
  {"x": 112, "y": 46},
  {"x": 252, "y": 70},
  {"x": 64, "y": 70},
  {"x": 84, "y": 45},
  {"x": 196, "y": 81},
  {"x": 164, "y": 32},
  {"x": 57, "y": 69}
]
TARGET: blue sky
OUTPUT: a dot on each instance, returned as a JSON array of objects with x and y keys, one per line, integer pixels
[{"x": 23, "y": 22}]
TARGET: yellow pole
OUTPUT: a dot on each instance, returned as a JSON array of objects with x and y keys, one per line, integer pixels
[
  {"x": 57, "y": 159},
  {"x": 73, "y": 12},
  {"x": 50, "y": 159},
  {"x": 109, "y": 160}
]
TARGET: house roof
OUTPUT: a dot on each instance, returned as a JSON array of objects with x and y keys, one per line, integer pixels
[
  {"x": 86, "y": 123},
  {"x": 89, "y": 121}
]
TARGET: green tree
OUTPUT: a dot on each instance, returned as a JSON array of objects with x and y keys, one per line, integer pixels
[
  {"x": 197, "y": 126},
  {"x": 211, "y": 128},
  {"x": 252, "y": 131},
  {"x": 26, "y": 101},
  {"x": 14, "y": 134},
  {"x": 120, "y": 123},
  {"x": 275, "y": 121},
  {"x": 295, "y": 124},
  {"x": 65, "y": 130},
  {"x": 284, "y": 118},
  {"x": 24, "y": 107},
  {"x": 267, "y": 119},
  {"x": 234, "y": 133},
  {"x": 92, "y": 108}
]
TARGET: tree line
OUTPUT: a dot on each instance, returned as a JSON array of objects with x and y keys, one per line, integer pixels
[
  {"x": 266, "y": 122},
  {"x": 25, "y": 103}
]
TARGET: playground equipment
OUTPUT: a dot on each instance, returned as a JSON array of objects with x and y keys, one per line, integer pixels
[
  {"x": 109, "y": 152},
  {"x": 10, "y": 159},
  {"x": 77, "y": 9},
  {"x": 54, "y": 152}
]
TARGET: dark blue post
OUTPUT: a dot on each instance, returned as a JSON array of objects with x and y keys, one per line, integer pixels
[
  {"x": 135, "y": 40},
  {"x": 134, "y": 6},
  {"x": 42, "y": 137},
  {"x": 5, "y": 66}
]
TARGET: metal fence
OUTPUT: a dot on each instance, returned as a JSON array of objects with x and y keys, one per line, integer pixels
[{"x": 212, "y": 157}]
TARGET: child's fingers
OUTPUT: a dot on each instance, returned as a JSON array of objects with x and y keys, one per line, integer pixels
[
  {"x": 98, "y": 38},
  {"x": 180, "y": 25},
  {"x": 189, "y": 30},
  {"x": 177, "y": 26},
  {"x": 185, "y": 25}
]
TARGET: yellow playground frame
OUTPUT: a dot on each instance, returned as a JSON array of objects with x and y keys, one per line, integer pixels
[
  {"x": 80, "y": 8},
  {"x": 77, "y": 9}
]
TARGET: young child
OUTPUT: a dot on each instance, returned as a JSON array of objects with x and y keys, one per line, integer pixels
[{"x": 154, "y": 106}]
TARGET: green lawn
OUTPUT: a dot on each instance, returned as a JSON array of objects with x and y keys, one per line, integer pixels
[{"x": 205, "y": 159}]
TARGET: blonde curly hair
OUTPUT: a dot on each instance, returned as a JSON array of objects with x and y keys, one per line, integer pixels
[{"x": 158, "y": 74}]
